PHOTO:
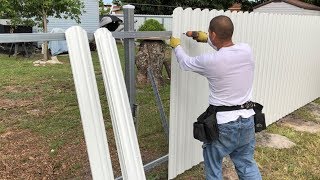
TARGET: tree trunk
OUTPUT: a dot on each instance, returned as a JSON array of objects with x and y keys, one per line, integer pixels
[
  {"x": 168, "y": 68},
  {"x": 45, "y": 30},
  {"x": 151, "y": 54}
]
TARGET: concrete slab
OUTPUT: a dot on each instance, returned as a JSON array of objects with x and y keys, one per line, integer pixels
[
  {"x": 301, "y": 125},
  {"x": 276, "y": 141}
]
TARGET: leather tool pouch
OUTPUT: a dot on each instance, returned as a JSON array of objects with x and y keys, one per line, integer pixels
[
  {"x": 259, "y": 118},
  {"x": 206, "y": 127}
]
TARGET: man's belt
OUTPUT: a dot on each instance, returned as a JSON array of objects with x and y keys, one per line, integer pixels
[{"x": 247, "y": 105}]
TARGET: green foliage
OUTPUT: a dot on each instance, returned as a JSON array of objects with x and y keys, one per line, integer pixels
[
  {"x": 59, "y": 9},
  {"x": 2, "y": 128},
  {"x": 13, "y": 10},
  {"x": 317, "y": 101},
  {"x": 117, "y": 2},
  {"x": 151, "y": 25},
  {"x": 315, "y": 2},
  {"x": 31, "y": 12},
  {"x": 166, "y": 7},
  {"x": 102, "y": 10},
  {"x": 35, "y": 12}
]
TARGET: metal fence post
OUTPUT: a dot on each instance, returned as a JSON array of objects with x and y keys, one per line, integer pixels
[{"x": 130, "y": 78}]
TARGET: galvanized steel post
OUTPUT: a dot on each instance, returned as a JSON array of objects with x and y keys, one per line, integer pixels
[{"x": 130, "y": 78}]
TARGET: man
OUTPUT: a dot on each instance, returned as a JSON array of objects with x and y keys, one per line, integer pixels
[{"x": 230, "y": 72}]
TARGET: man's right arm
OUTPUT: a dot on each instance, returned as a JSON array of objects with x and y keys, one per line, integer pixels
[
  {"x": 196, "y": 64},
  {"x": 199, "y": 36}
]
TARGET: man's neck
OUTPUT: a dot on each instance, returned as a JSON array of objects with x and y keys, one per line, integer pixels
[{"x": 225, "y": 44}]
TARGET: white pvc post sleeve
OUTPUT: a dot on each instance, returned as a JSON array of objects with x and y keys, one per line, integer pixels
[
  {"x": 89, "y": 103},
  {"x": 122, "y": 121}
]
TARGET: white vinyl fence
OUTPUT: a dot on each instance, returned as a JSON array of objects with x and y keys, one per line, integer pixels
[{"x": 287, "y": 72}]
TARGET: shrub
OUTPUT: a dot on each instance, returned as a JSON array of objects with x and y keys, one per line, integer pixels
[{"x": 151, "y": 25}]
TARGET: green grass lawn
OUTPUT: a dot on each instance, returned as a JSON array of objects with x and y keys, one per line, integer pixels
[{"x": 41, "y": 102}]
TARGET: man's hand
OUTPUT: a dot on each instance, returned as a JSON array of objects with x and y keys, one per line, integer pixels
[
  {"x": 174, "y": 42},
  {"x": 199, "y": 36}
]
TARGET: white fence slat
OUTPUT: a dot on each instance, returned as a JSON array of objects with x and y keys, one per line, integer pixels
[
  {"x": 89, "y": 103},
  {"x": 122, "y": 121},
  {"x": 287, "y": 74}
]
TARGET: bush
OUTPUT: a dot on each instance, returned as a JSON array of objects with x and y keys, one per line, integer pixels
[{"x": 151, "y": 25}]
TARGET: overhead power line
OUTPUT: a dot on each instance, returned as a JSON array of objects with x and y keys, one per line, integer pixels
[{"x": 160, "y": 5}]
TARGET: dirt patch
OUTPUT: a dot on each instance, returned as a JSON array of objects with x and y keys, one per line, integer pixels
[
  {"x": 314, "y": 109},
  {"x": 265, "y": 139},
  {"x": 23, "y": 155},
  {"x": 300, "y": 125},
  {"x": 19, "y": 89},
  {"x": 14, "y": 89},
  {"x": 71, "y": 161},
  {"x": 113, "y": 153},
  {"x": 36, "y": 112},
  {"x": 6, "y": 104}
]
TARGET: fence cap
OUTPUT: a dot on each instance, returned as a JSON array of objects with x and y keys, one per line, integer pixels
[{"x": 128, "y": 6}]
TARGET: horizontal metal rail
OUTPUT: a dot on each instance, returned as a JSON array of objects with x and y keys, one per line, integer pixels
[
  {"x": 146, "y": 16},
  {"x": 143, "y": 34},
  {"x": 35, "y": 37},
  {"x": 152, "y": 164},
  {"x": 31, "y": 37}
]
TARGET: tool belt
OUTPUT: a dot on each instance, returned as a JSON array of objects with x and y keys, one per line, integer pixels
[{"x": 206, "y": 127}]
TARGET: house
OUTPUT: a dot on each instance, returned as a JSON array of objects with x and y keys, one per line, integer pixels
[
  {"x": 295, "y": 7},
  {"x": 114, "y": 9},
  {"x": 89, "y": 18},
  {"x": 235, "y": 7}
]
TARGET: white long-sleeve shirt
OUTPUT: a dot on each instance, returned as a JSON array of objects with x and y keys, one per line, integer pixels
[{"x": 230, "y": 75}]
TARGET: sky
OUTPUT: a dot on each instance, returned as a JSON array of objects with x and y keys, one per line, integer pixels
[{"x": 107, "y": 1}]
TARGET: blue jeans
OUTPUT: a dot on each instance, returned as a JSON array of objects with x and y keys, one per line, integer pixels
[{"x": 237, "y": 139}]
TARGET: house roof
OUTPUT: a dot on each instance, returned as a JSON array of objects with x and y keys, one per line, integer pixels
[
  {"x": 235, "y": 7},
  {"x": 297, "y": 3}
]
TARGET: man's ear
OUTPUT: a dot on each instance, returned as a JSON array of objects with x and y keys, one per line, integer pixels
[{"x": 213, "y": 35}]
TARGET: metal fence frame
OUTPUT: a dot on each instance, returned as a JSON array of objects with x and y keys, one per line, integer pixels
[{"x": 129, "y": 36}]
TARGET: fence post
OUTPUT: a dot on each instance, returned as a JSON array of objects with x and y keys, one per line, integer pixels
[{"x": 129, "y": 46}]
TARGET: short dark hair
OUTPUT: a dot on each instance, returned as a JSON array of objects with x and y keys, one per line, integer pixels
[{"x": 222, "y": 26}]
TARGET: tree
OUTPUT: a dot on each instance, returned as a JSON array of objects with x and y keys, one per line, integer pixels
[
  {"x": 12, "y": 9},
  {"x": 38, "y": 11},
  {"x": 247, "y": 5},
  {"x": 117, "y": 2},
  {"x": 151, "y": 54},
  {"x": 167, "y": 6},
  {"x": 315, "y": 2},
  {"x": 102, "y": 10}
]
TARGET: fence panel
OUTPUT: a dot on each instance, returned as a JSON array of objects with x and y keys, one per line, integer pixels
[{"x": 286, "y": 72}]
